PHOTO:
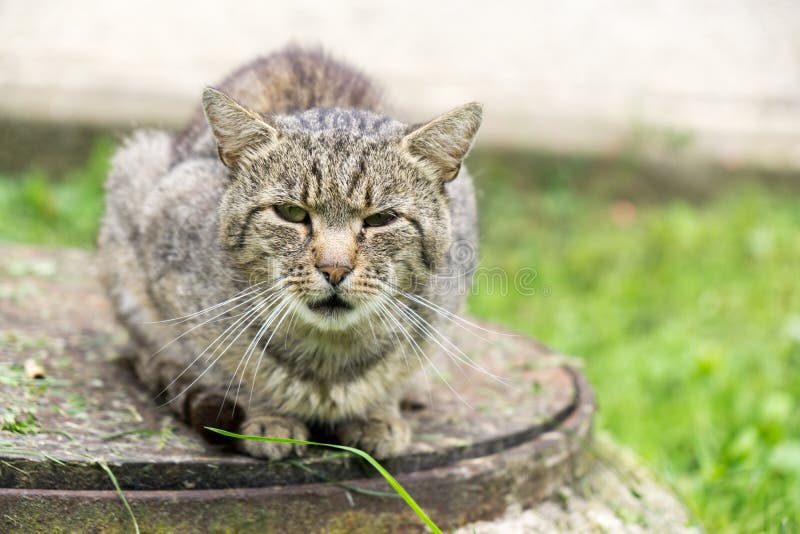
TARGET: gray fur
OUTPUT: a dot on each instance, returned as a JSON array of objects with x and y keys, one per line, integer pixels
[{"x": 191, "y": 222}]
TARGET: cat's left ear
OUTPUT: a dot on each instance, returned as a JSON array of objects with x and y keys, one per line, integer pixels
[
  {"x": 443, "y": 143},
  {"x": 235, "y": 127}
]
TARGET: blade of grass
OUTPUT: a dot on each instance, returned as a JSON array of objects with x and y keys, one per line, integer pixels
[
  {"x": 28, "y": 452},
  {"x": 140, "y": 432},
  {"x": 58, "y": 433},
  {"x": 354, "y": 489},
  {"x": 358, "y": 452},
  {"x": 104, "y": 466}
]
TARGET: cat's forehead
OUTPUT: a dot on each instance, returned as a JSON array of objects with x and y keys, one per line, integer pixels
[
  {"x": 340, "y": 174},
  {"x": 341, "y": 162},
  {"x": 333, "y": 122},
  {"x": 352, "y": 178}
]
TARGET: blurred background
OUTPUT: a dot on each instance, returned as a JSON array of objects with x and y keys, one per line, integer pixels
[{"x": 641, "y": 156}]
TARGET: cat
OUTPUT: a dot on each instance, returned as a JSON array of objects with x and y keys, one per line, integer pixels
[{"x": 288, "y": 244}]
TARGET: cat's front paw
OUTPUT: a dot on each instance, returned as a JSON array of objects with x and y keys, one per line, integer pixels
[
  {"x": 380, "y": 435},
  {"x": 273, "y": 426}
]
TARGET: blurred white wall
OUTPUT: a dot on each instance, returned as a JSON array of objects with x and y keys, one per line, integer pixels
[{"x": 572, "y": 75}]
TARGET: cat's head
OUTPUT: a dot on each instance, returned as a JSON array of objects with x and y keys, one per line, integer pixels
[{"x": 337, "y": 208}]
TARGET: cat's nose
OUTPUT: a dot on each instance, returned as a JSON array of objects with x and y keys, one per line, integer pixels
[{"x": 334, "y": 274}]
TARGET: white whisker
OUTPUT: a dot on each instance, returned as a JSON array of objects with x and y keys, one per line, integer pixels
[
  {"x": 254, "y": 313},
  {"x": 385, "y": 311},
  {"x": 432, "y": 333},
  {"x": 195, "y": 327},
  {"x": 433, "y": 364},
  {"x": 253, "y": 342},
  {"x": 241, "y": 294},
  {"x": 289, "y": 307},
  {"x": 245, "y": 359},
  {"x": 454, "y": 317}
]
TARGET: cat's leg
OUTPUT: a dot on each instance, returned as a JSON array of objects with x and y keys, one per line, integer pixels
[
  {"x": 201, "y": 403},
  {"x": 266, "y": 424},
  {"x": 197, "y": 401},
  {"x": 382, "y": 433}
]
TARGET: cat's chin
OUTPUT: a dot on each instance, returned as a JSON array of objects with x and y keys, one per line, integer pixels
[
  {"x": 330, "y": 306},
  {"x": 331, "y": 314}
]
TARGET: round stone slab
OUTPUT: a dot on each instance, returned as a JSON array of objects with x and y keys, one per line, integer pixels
[{"x": 512, "y": 426}]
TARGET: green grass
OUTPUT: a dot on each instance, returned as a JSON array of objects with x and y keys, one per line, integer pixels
[
  {"x": 688, "y": 320},
  {"x": 687, "y": 315},
  {"x": 37, "y": 209}
]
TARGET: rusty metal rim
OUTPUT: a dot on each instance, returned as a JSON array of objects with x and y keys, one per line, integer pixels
[
  {"x": 575, "y": 424},
  {"x": 243, "y": 472}
]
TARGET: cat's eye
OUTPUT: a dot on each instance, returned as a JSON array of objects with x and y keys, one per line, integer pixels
[
  {"x": 380, "y": 219},
  {"x": 294, "y": 214}
]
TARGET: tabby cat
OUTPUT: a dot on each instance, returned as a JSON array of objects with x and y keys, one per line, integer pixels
[{"x": 288, "y": 244}]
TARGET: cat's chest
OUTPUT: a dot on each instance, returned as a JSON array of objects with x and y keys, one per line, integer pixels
[
  {"x": 313, "y": 398},
  {"x": 335, "y": 402},
  {"x": 307, "y": 378}
]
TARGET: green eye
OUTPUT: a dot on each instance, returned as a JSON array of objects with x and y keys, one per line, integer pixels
[
  {"x": 380, "y": 219},
  {"x": 291, "y": 213}
]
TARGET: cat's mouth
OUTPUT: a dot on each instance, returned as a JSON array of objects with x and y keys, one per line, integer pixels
[{"x": 331, "y": 305}]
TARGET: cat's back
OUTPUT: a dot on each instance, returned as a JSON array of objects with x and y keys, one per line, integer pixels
[{"x": 286, "y": 82}]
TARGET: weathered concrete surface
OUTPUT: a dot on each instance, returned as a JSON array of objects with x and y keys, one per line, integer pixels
[
  {"x": 722, "y": 77},
  {"x": 617, "y": 495},
  {"x": 514, "y": 447}
]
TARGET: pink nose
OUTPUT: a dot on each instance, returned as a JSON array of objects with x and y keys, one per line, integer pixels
[{"x": 334, "y": 274}]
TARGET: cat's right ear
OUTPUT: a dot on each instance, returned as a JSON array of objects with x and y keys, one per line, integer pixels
[{"x": 236, "y": 128}]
